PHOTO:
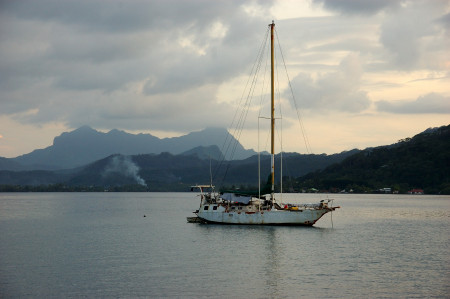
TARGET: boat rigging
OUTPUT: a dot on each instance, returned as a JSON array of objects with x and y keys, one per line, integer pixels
[{"x": 258, "y": 208}]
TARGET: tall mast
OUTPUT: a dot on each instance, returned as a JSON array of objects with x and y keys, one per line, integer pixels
[{"x": 272, "y": 117}]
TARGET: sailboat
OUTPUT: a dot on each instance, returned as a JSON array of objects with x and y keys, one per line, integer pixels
[{"x": 256, "y": 209}]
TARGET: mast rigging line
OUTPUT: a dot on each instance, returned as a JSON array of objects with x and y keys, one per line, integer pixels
[
  {"x": 302, "y": 127},
  {"x": 228, "y": 147}
]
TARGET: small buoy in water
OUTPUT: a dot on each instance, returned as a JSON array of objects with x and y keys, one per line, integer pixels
[{"x": 144, "y": 215}]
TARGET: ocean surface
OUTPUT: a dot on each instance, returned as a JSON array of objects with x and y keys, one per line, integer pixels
[{"x": 131, "y": 245}]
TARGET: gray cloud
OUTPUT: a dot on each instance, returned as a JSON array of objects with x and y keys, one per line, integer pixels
[
  {"x": 445, "y": 21},
  {"x": 119, "y": 16},
  {"x": 89, "y": 45},
  {"x": 365, "y": 7},
  {"x": 414, "y": 37},
  {"x": 413, "y": 34},
  {"x": 99, "y": 62},
  {"x": 337, "y": 90},
  {"x": 429, "y": 103}
]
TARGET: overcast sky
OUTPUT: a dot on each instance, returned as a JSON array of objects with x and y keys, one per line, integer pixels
[{"x": 364, "y": 73}]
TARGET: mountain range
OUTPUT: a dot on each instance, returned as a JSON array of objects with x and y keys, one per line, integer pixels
[
  {"x": 85, "y": 145},
  {"x": 86, "y": 157},
  {"x": 422, "y": 161}
]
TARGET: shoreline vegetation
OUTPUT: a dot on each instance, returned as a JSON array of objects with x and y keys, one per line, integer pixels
[{"x": 445, "y": 190}]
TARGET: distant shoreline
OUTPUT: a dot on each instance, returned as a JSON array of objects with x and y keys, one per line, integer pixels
[{"x": 140, "y": 188}]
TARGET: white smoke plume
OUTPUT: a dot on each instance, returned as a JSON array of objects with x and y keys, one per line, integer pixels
[{"x": 124, "y": 165}]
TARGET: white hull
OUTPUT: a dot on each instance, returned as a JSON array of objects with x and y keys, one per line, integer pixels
[{"x": 306, "y": 217}]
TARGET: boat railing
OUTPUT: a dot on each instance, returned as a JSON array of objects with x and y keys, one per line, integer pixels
[{"x": 322, "y": 204}]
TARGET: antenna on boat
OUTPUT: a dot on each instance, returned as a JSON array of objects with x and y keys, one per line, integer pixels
[
  {"x": 331, "y": 214},
  {"x": 210, "y": 172}
]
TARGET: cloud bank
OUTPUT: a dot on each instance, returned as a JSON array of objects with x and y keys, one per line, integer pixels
[
  {"x": 339, "y": 90},
  {"x": 432, "y": 103},
  {"x": 172, "y": 66}
]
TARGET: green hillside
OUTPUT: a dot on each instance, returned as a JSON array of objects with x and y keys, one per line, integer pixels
[{"x": 419, "y": 162}]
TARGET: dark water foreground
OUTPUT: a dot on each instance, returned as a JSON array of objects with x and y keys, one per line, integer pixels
[{"x": 62, "y": 245}]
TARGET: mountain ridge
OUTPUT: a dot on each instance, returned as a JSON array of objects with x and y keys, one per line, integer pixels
[
  {"x": 85, "y": 145},
  {"x": 167, "y": 172}
]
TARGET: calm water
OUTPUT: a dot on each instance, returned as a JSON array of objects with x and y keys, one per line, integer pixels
[{"x": 59, "y": 245}]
